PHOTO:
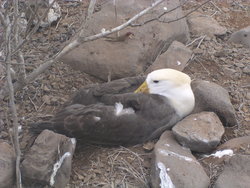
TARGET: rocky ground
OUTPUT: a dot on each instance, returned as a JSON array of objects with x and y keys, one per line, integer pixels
[{"x": 214, "y": 60}]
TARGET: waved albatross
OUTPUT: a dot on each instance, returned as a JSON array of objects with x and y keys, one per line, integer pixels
[{"x": 114, "y": 113}]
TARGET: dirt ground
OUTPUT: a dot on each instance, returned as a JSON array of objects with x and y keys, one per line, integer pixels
[{"x": 96, "y": 166}]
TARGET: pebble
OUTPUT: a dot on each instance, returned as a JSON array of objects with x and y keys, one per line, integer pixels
[
  {"x": 247, "y": 69},
  {"x": 248, "y": 95}
]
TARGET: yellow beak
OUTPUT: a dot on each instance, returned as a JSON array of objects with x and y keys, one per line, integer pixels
[{"x": 143, "y": 88}]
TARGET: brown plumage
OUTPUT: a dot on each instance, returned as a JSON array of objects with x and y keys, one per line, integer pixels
[{"x": 112, "y": 114}]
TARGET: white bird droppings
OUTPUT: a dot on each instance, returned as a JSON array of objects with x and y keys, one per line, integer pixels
[
  {"x": 56, "y": 167},
  {"x": 166, "y": 181},
  {"x": 181, "y": 157},
  {"x": 222, "y": 153},
  {"x": 178, "y": 63},
  {"x": 165, "y": 8},
  {"x": 73, "y": 141}
]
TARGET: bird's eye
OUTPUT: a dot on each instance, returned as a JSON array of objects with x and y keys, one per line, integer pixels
[{"x": 156, "y": 81}]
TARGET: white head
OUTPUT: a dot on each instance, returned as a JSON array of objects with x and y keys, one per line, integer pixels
[{"x": 174, "y": 85}]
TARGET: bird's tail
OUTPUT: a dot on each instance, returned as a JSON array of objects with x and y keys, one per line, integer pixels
[{"x": 38, "y": 127}]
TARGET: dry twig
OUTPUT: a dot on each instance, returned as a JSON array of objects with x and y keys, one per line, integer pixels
[
  {"x": 12, "y": 106},
  {"x": 75, "y": 43}
]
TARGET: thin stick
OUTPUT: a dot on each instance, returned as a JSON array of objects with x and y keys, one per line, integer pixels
[
  {"x": 91, "y": 7},
  {"x": 215, "y": 6},
  {"x": 12, "y": 103},
  {"x": 170, "y": 21},
  {"x": 189, "y": 44},
  {"x": 75, "y": 43},
  {"x": 35, "y": 28},
  {"x": 201, "y": 41}
]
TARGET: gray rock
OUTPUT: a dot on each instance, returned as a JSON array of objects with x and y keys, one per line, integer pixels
[
  {"x": 39, "y": 7},
  {"x": 175, "y": 166},
  {"x": 102, "y": 58},
  {"x": 7, "y": 165},
  {"x": 199, "y": 24},
  {"x": 236, "y": 144},
  {"x": 200, "y": 132},
  {"x": 236, "y": 173},
  {"x": 241, "y": 37},
  {"x": 248, "y": 95},
  {"x": 48, "y": 162},
  {"x": 247, "y": 69},
  {"x": 176, "y": 57},
  {"x": 214, "y": 98}
]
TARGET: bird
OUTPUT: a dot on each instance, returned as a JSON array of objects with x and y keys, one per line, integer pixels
[
  {"x": 120, "y": 38},
  {"x": 127, "y": 111}
]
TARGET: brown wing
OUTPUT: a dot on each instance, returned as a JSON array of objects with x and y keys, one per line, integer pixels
[
  {"x": 93, "y": 94},
  {"x": 98, "y": 123}
]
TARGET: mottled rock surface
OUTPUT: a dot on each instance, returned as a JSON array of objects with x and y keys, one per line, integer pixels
[
  {"x": 236, "y": 173},
  {"x": 236, "y": 144},
  {"x": 7, "y": 165},
  {"x": 214, "y": 98},
  {"x": 176, "y": 57},
  {"x": 175, "y": 166},
  {"x": 242, "y": 37},
  {"x": 206, "y": 25},
  {"x": 200, "y": 132},
  {"x": 102, "y": 58},
  {"x": 48, "y": 162}
]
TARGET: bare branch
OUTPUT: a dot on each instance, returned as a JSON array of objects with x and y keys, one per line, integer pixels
[
  {"x": 21, "y": 69},
  {"x": 158, "y": 17},
  {"x": 166, "y": 12},
  {"x": 34, "y": 29},
  {"x": 12, "y": 104},
  {"x": 75, "y": 43},
  {"x": 2, "y": 19},
  {"x": 170, "y": 21},
  {"x": 91, "y": 7}
]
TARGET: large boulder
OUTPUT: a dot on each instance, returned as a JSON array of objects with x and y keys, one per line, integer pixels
[
  {"x": 175, "y": 166},
  {"x": 242, "y": 37},
  {"x": 214, "y": 98},
  {"x": 7, "y": 165},
  {"x": 48, "y": 162},
  {"x": 236, "y": 144},
  {"x": 199, "y": 24},
  {"x": 176, "y": 57},
  {"x": 103, "y": 58},
  {"x": 200, "y": 132},
  {"x": 236, "y": 173}
]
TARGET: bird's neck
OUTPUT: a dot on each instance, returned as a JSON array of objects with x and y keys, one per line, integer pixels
[{"x": 182, "y": 99}]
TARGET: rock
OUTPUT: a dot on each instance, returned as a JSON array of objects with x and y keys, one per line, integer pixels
[
  {"x": 214, "y": 98},
  {"x": 200, "y": 132},
  {"x": 229, "y": 71},
  {"x": 7, "y": 165},
  {"x": 248, "y": 95},
  {"x": 200, "y": 24},
  {"x": 39, "y": 7},
  {"x": 48, "y": 162},
  {"x": 102, "y": 58},
  {"x": 176, "y": 57},
  {"x": 247, "y": 69},
  {"x": 175, "y": 166},
  {"x": 241, "y": 37},
  {"x": 236, "y": 144},
  {"x": 236, "y": 173}
]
